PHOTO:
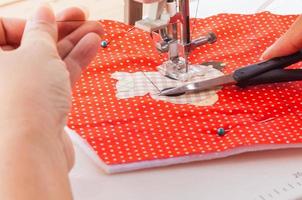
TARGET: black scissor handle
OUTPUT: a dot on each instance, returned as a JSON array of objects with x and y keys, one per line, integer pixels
[
  {"x": 250, "y": 71},
  {"x": 273, "y": 76}
]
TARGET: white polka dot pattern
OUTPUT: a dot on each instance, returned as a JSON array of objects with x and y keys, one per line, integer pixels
[{"x": 142, "y": 129}]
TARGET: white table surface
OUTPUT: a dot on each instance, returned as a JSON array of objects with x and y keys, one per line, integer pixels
[{"x": 248, "y": 176}]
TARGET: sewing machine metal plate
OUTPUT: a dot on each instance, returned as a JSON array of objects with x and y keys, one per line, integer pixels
[{"x": 164, "y": 19}]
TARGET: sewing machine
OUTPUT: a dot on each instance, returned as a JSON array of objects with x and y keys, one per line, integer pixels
[{"x": 170, "y": 21}]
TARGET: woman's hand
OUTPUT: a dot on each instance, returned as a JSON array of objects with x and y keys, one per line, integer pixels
[
  {"x": 289, "y": 43},
  {"x": 38, "y": 66},
  {"x": 72, "y": 27}
]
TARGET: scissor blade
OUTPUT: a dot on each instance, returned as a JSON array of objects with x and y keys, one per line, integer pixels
[
  {"x": 200, "y": 85},
  {"x": 176, "y": 91}
]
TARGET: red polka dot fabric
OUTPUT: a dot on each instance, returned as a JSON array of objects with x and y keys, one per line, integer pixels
[{"x": 141, "y": 129}]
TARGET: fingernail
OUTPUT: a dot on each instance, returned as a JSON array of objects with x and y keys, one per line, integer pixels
[
  {"x": 44, "y": 13},
  {"x": 266, "y": 53},
  {"x": 42, "y": 20}
]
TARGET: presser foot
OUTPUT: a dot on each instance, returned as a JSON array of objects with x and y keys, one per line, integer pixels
[{"x": 179, "y": 71}]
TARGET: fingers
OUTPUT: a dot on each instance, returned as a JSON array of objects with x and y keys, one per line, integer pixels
[
  {"x": 69, "y": 42},
  {"x": 11, "y": 31},
  {"x": 69, "y": 20},
  {"x": 81, "y": 55},
  {"x": 41, "y": 31},
  {"x": 287, "y": 44},
  {"x": 2, "y": 33}
]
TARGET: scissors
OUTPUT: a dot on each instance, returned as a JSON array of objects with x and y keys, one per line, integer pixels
[{"x": 269, "y": 71}]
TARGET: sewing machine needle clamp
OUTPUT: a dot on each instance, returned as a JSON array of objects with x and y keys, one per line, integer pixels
[{"x": 163, "y": 19}]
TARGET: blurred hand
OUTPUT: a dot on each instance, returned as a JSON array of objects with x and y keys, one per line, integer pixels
[
  {"x": 40, "y": 61},
  {"x": 39, "y": 65},
  {"x": 287, "y": 44}
]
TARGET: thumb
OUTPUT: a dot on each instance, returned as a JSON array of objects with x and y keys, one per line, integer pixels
[
  {"x": 41, "y": 31},
  {"x": 287, "y": 44}
]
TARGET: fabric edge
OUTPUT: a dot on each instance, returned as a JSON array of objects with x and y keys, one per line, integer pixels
[
  {"x": 86, "y": 148},
  {"x": 120, "y": 168}
]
